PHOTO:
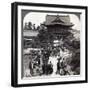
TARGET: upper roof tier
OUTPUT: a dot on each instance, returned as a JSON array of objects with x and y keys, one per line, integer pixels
[{"x": 63, "y": 20}]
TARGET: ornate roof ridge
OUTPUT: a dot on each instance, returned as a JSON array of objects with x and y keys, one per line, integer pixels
[
  {"x": 57, "y": 19},
  {"x": 59, "y": 15}
]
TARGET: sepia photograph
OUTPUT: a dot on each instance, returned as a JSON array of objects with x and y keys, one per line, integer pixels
[{"x": 49, "y": 44}]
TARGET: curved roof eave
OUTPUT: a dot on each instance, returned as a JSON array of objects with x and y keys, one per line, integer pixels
[{"x": 70, "y": 25}]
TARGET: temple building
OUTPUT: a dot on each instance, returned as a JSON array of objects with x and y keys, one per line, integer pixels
[{"x": 59, "y": 25}]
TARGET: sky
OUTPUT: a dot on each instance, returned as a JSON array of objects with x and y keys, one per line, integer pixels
[{"x": 37, "y": 18}]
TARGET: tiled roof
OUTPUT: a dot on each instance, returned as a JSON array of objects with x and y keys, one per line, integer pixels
[
  {"x": 58, "y": 19},
  {"x": 30, "y": 33}
]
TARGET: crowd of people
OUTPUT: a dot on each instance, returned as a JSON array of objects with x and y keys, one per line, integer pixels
[{"x": 41, "y": 64}]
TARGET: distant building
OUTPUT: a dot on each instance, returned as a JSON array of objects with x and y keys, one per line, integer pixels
[{"x": 29, "y": 35}]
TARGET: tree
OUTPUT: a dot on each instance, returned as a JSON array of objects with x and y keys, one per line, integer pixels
[
  {"x": 30, "y": 25},
  {"x": 34, "y": 27},
  {"x": 26, "y": 26},
  {"x": 44, "y": 39}
]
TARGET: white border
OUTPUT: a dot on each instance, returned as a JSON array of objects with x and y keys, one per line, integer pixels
[{"x": 82, "y": 39}]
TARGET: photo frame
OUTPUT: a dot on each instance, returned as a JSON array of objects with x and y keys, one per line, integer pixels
[{"x": 49, "y": 44}]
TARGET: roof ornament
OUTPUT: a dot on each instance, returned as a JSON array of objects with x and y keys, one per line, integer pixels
[{"x": 57, "y": 20}]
